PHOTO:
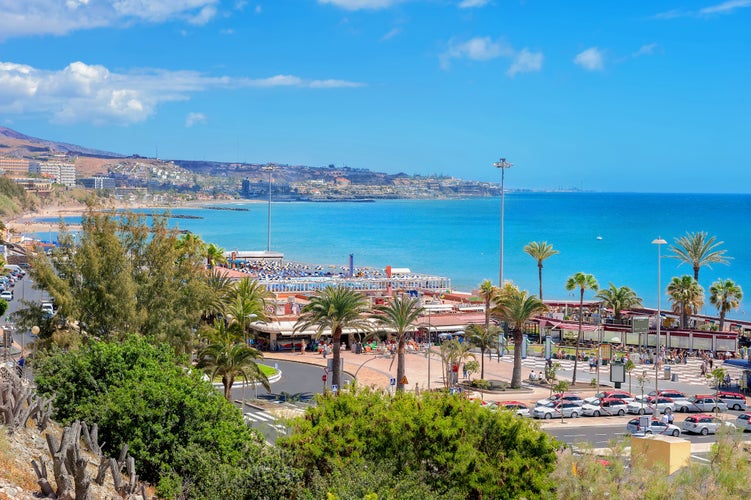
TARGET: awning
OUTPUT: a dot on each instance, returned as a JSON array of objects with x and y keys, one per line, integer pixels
[{"x": 566, "y": 325}]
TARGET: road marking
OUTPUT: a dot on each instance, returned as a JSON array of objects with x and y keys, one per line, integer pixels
[
  {"x": 700, "y": 458},
  {"x": 259, "y": 417}
]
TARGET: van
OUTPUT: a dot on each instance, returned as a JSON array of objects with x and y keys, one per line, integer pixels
[{"x": 48, "y": 309}]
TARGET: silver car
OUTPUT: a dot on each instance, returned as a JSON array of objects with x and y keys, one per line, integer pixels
[
  {"x": 646, "y": 405},
  {"x": 705, "y": 404},
  {"x": 655, "y": 427},
  {"x": 605, "y": 407},
  {"x": 557, "y": 410}
]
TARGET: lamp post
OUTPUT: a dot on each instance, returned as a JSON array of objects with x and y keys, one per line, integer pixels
[
  {"x": 659, "y": 242},
  {"x": 268, "y": 169},
  {"x": 503, "y": 165}
]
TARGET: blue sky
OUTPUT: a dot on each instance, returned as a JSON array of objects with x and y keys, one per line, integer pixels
[{"x": 607, "y": 96}]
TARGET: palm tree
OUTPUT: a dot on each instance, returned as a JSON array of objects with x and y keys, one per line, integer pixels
[
  {"x": 453, "y": 353},
  {"x": 618, "y": 299},
  {"x": 583, "y": 282},
  {"x": 230, "y": 359},
  {"x": 488, "y": 293},
  {"x": 698, "y": 250},
  {"x": 725, "y": 296},
  {"x": 540, "y": 250},
  {"x": 687, "y": 297},
  {"x": 217, "y": 295},
  {"x": 484, "y": 339},
  {"x": 248, "y": 301},
  {"x": 399, "y": 315},
  {"x": 215, "y": 255},
  {"x": 334, "y": 309},
  {"x": 515, "y": 308}
]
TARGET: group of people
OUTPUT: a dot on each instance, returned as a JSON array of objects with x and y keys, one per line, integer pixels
[{"x": 278, "y": 270}]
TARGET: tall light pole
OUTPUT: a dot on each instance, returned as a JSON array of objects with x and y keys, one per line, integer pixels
[
  {"x": 269, "y": 169},
  {"x": 503, "y": 165},
  {"x": 659, "y": 242}
]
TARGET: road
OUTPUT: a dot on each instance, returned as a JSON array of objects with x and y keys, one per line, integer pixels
[
  {"x": 24, "y": 290},
  {"x": 289, "y": 397}
]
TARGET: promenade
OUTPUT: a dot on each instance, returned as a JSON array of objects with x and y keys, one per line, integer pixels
[{"x": 376, "y": 370}]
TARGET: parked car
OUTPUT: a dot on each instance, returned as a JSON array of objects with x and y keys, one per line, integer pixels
[
  {"x": 734, "y": 400},
  {"x": 643, "y": 406},
  {"x": 680, "y": 399},
  {"x": 622, "y": 395},
  {"x": 655, "y": 427},
  {"x": 555, "y": 410},
  {"x": 566, "y": 396},
  {"x": 520, "y": 408},
  {"x": 704, "y": 424},
  {"x": 605, "y": 407},
  {"x": 743, "y": 421},
  {"x": 6, "y": 295},
  {"x": 703, "y": 403}
]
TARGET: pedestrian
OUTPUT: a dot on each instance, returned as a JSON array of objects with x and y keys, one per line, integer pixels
[
  {"x": 464, "y": 370},
  {"x": 21, "y": 363}
]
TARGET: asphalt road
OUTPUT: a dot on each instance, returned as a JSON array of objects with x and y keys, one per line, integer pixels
[
  {"x": 291, "y": 394},
  {"x": 24, "y": 290}
]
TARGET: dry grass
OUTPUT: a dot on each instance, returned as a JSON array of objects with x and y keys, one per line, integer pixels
[{"x": 18, "y": 473}]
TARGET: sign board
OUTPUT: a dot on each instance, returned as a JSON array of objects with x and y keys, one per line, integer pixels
[
  {"x": 404, "y": 380},
  {"x": 548, "y": 348},
  {"x": 617, "y": 372},
  {"x": 392, "y": 381},
  {"x": 334, "y": 387},
  {"x": 644, "y": 422},
  {"x": 640, "y": 324},
  {"x": 323, "y": 377},
  {"x": 606, "y": 352}
]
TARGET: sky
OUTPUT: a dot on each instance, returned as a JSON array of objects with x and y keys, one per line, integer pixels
[{"x": 605, "y": 96}]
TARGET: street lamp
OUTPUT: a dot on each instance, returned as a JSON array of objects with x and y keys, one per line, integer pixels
[
  {"x": 503, "y": 165},
  {"x": 269, "y": 169},
  {"x": 659, "y": 242}
]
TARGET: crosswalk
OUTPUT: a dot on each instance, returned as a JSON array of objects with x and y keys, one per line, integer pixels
[
  {"x": 259, "y": 417},
  {"x": 689, "y": 373}
]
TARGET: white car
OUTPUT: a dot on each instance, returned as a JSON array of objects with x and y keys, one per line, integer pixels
[
  {"x": 704, "y": 424},
  {"x": 643, "y": 406},
  {"x": 556, "y": 410},
  {"x": 655, "y": 427},
  {"x": 743, "y": 421},
  {"x": 622, "y": 395},
  {"x": 574, "y": 398},
  {"x": 704, "y": 404},
  {"x": 518, "y": 407},
  {"x": 605, "y": 407},
  {"x": 6, "y": 295}
]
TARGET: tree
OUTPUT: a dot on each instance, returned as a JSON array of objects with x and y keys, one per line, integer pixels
[
  {"x": 725, "y": 295},
  {"x": 227, "y": 357},
  {"x": 334, "y": 309},
  {"x": 185, "y": 437},
  {"x": 400, "y": 314},
  {"x": 483, "y": 338},
  {"x": 618, "y": 299},
  {"x": 718, "y": 375},
  {"x": 456, "y": 448},
  {"x": 516, "y": 307},
  {"x": 697, "y": 250},
  {"x": 247, "y": 302},
  {"x": 453, "y": 354},
  {"x": 219, "y": 292},
  {"x": 560, "y": 388},
  {"x": 215, "y": 255},
  {"x": 488, "y": 293},
  {"x": 540, "y": 250},
  {"x": 583, "y": 282},
  {"x": 687, "y": 297},
  {"x": 629, "y": 367}
]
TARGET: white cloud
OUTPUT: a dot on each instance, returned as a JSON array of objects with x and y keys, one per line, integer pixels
[
  {"x": 718, "y": 9},
  {"x": 93, "y": 94},
  {"x": 646, "y": 50},
  {"x": 361, "y": 4},
  {"x": 45, "y": 17},
  {"x": 526, "y": 62},
  {"x": 470, "y": 4},
  {"x": 195, "y": 119},
  {"x": 591, "y": 59},
  {"x": 391, "y": 34},
  {"x": 475, "y": 49}
]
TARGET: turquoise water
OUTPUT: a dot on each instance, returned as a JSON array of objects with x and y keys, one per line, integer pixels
[{"x": 460, "y": 238}]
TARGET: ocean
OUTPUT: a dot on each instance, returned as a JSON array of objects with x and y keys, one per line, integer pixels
[{"x": 607, "y": 235}]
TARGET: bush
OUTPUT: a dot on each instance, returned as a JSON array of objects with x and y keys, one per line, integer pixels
[
  {"x": 481, "y": 384},
  {"x": 183, "y": 434}
]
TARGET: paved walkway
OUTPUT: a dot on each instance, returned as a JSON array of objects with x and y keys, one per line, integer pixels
[{"x": 377, "y": 369}]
